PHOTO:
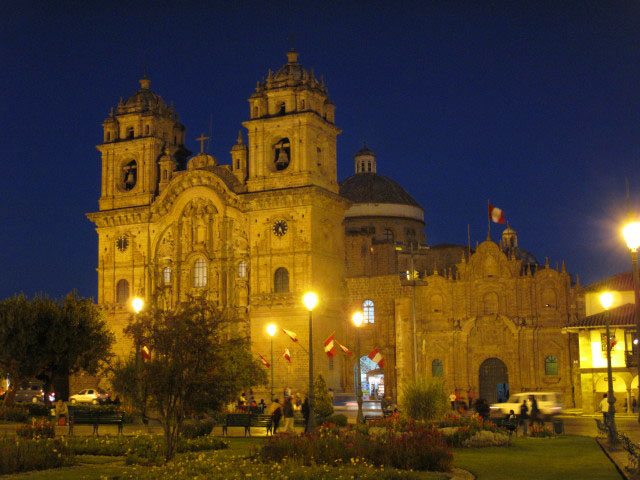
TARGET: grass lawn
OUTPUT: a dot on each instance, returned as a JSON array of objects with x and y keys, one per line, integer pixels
[{"x": 566, "y": 457}]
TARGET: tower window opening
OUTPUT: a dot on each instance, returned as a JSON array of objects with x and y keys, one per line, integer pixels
[
  {"x": 122, "y": 291},
  {"x": 281, "y": 280},
  {"x": 200, "y": 273},
  {"x": 368, "y": 166},
  {"x": 255, "y": 112},
  {"x": 166, "y": 275},
  {"x": 108, "y": 136},
  {"x": 368, "y": 311},
  {"x": 175, "y": 140},
  {"x": 164, "y": 175},
  {"x": 283, "y": 108},
  {"x": 302, "y": 104},
  {"x": 146, "y": 130},
  {"x": 129, "y": 175},
  {"x": 282, "y": 154},
  {"x": 130, "y": 132}
]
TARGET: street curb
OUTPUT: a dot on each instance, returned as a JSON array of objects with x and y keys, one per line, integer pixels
[{"x": 621, "y": 471}]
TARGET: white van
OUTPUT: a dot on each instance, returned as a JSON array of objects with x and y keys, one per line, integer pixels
[{"x": 549, "y": 404}]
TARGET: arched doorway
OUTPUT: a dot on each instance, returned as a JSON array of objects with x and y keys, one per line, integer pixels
[
  {"x": 371, "y": 378},
  {"x": 494, "y": 381}
]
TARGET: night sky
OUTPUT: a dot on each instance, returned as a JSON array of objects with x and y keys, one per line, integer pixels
[{"x": 533, "y": 105}]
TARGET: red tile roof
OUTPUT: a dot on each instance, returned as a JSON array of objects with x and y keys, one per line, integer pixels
[
  {"x": 622, "y": 282},
  {"x": 622, "y": 316}
]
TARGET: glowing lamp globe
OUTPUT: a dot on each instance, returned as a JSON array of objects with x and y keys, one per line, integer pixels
[
  {"x": 631, "y": 233},
  {"x": 310, "y": 300},
  {"x": 606, "y": 300},
  {"x": 137, "y": 303},
  {"x": 271, "y": 329},
  {"x": 357, "y": 319}
]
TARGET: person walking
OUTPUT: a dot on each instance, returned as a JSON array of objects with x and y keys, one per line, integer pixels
[
  {"x": 604, "y": 408},
  {"x": 275, "y": 410},
  {"x": 287, "y": 411},
  {"x": 452, "y": 400},
  {"x": 305, "y": 414},
  {"x": 524, "y": 415},
  {"x": 535, "y": 412}
]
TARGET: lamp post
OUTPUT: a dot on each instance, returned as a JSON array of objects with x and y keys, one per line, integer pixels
[
  {"x": 310, "y": 300},
  {"x": 271, "y": 330},
  {"x": 631, "y": 232},
  {"x": 137, "y": 304},
  {"x": 357, "y": 321},
  {"x": 606, "y": 299}
]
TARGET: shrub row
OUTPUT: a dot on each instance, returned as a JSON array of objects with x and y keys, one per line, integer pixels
[
  {"x": 417, "y": 448},
  {"x": 18, "y": 455},
  {"x": 21, "y": 413},
  {"x": 37, "y": 429}
]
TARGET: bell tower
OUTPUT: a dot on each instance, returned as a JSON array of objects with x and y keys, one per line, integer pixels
[
  {"x": 139, "y": 135},
  {"x": 292, "y": 134}
]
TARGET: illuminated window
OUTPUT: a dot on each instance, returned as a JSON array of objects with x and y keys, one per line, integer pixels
[
  {"x": 281, "y": 281},
  {"x": 437, "y": 369},
  {"x": 200, "y": 273},
  {"x": 242, "y": 269},
  {"x": 368, "y": 311},
  {"x": 551, "y": 365},
  {"x": 388, "y": 234},
  {"x": 166, "y": 275},
  {"x": 122, "y": 291}
]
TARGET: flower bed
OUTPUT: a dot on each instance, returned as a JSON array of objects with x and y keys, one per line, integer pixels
[
  {"x": 140, "y": 448},
  {"x": 17, "y": 455},
  {"x": 211, "y": 467},
  {"x": 417, "y": 447},
  {"x": 37, "y": 429}
]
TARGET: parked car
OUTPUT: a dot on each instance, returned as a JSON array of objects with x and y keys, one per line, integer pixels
[
  {"x": 94, "y": 396},
  {"x": 549, "y": 404},
  {"x": 32, "y": 392}
]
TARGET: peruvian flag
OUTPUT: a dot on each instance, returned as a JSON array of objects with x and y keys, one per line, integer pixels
[
  {"x": 344, "y": 349},
  {"x": 291, "y": 335},
  {"x": 376, "y": 356},
  {"x": 264, "y": 360},
  {"x": 145, "y": 352},
  {"x": 287, "y": 355},
  {"x": 495, "y": 214},
  {"x": 329, "y": 345}
]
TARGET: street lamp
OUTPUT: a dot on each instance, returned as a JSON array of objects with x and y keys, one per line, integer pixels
[
  {"x": 357, "y": 321},
  {"x": 631, "y": 232},
  {"x": 606, "y": 300},
  {"x": 310, "y": 300},
  {"x": 137, "y": 304},
  {"x": 271, "y": 330}
]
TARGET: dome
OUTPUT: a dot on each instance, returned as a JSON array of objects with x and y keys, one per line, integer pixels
[
  {"x": 291, "y": 74},
  {"x": 143, "y": 100},
  {"x": 374, "y": 188},
  {"x": 364, "y": 151}
]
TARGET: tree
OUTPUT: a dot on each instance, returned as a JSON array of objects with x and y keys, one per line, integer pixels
[
  {"x": 197, "y": 364},
  {"x": 323, "y": 405},
  {"x": 49, "y": 339}
]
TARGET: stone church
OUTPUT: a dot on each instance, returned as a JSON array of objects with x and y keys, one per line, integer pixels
[{"x": 254, "y": 235}]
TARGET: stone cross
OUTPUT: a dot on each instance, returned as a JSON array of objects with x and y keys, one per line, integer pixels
[{"x": 201, "y": 139}]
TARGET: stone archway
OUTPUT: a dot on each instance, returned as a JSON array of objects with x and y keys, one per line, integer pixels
[{"x": 493, "y": 381}]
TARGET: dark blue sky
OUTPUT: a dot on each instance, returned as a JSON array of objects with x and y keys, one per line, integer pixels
[{"x": 534, "y": 105}]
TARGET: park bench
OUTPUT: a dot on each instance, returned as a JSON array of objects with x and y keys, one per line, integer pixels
[
  {"x": 95, "y": 417},
  {"x": 260, "y": 420},
  {"x": 237, "y": 420}
]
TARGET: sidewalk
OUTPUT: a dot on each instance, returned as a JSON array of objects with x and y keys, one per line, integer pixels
[{"x": 577, "y": 412}]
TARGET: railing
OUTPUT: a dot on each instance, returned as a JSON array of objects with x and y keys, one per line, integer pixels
[
  {"x": 631, "y": 360},
  {"x": 632, "y": 449}
]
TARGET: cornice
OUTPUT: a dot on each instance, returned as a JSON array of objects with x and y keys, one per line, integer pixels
[{"x": 121, "y": 216}]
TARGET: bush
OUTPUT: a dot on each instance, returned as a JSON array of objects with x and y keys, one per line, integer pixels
[
  {"x": 539, "y": 431},
  {"x": 486, "y": 438},
  {"x": 425, "y": 399},
  {"x": 38, "y": 410},
  {"x": 323, "y": 405},
  {"x": 198, "y": 428},
  {"x": 24, "y": 455},
  {"x": 14, "y": 414},
  {"x": 37, "y": 429},
  {"x": 338, "y": 419},
  {"x": 418, "y": 448}
]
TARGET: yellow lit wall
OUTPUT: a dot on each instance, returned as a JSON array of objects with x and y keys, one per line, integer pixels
[
  {"x": 592, "y": 301},
  {"x": 598, "y": 356}
]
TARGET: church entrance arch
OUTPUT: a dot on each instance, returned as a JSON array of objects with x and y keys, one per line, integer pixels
[
  {"x": 371, "y": 379},
  {"x": 494, "y": 381}
]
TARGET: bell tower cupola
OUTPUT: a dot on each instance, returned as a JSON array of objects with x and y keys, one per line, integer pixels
[
  {"x": 143, "y": 144},
  {"x": 365, "y": 160},
  {"x": 509, "y": 240},
  {"x": 292, "y": 135}
]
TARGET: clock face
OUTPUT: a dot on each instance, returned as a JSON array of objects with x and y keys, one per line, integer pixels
[
  {"x": 122, "y": 243},
  {"x": 279, "y": 228}
]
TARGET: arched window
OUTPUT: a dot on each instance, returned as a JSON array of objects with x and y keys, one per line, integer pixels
[
  {"x": 108, "y": 136},
  {"x": 549, "y": 298},
  {"x": 129, "y": 175},
  {"x": 368, "y": 311},
  {"x": 283, "y": 108},
  {"x": 281, "y": 280},
  {"x": 242, "y": 269},
  {"x": 122, "y": 291},
  {"x": 551, "y": 365},
  {"x": 282, "y": 154},
  {"x": 388, "y": 235},
  {"x": 200, "y": 273},
  {"x": 166, "y": 275},
  {"x": 437, "y": 369}
]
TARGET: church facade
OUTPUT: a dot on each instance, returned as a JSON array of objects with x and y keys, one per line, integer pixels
[{"x": 256, "y": 234}]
